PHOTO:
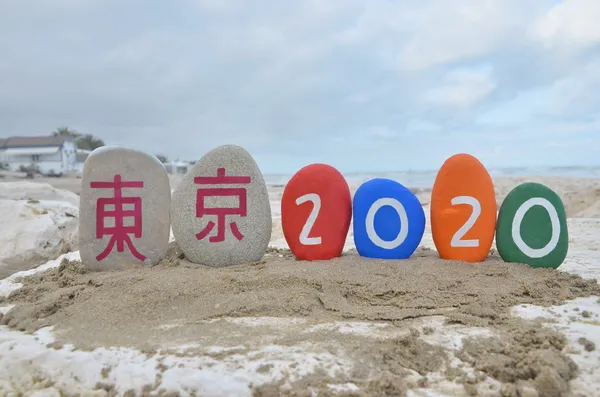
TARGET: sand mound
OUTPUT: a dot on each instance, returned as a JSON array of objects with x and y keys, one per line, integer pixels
[{"x": 178, "y": 303}]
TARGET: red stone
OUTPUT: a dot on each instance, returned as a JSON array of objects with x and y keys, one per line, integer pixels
[{"x": 299, "y": 203}]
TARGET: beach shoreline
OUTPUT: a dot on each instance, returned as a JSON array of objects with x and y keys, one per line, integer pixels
[
  {"x": 281, "y": 325},
  {"x": 579, "y": 193}
]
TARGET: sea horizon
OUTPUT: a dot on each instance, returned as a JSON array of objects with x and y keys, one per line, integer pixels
[{"x": 426, "y": 178}]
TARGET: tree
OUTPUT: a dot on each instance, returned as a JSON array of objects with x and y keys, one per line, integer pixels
[
  {"x": 163, "y": 159},
  {"x": 88, "y": 142},
  {"x": 82, "y": 141},
  {"x": 66, "y": 131}
]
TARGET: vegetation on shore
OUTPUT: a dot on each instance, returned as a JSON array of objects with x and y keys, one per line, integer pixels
[{"x": 89, "y": 141}]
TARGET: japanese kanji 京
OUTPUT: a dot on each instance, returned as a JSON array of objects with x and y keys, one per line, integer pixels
[
  {"x": 221, "y": 213},
  {"x": 119, "y": 233}
]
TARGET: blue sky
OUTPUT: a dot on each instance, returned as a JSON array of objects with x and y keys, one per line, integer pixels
[{"x": 361, "y": 85}]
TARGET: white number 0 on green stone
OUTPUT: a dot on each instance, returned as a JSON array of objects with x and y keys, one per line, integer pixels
[{"x": 516, "y": 228}]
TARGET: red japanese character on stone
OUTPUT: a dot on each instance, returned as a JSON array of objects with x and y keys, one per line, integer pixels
[
  {"x": 221, "y": 213},
  {"x": 119, "y": 233}
]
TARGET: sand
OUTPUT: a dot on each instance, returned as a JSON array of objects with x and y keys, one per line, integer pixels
[
  {"x": 382, "y": 327},
  {"x": 178, "y": 303}
]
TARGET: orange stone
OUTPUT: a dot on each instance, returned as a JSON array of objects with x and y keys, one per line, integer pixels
[
  {"x": 463, "y": 209},
  {"x": 316, "y": 209}
]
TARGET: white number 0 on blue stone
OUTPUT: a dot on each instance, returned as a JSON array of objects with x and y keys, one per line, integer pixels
[
  {"x": 389, "y": 220},
  {"x": 370, "y": 223}
]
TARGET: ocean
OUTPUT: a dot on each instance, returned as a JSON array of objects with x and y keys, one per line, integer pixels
[{"x": 425, "y": 179}]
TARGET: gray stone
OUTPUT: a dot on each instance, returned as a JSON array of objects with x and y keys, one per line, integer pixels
[
  {"x": 242, "y": 238},
  {"x": 143, "y": 241}
]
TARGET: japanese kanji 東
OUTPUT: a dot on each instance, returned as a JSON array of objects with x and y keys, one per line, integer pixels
[{"x": 119, "y": 233}]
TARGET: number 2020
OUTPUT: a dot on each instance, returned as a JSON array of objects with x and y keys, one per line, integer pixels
[{"x": 458, "y": 237}]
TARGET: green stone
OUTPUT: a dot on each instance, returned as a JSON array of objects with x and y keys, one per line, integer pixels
[{"x": 535, "y": 229}]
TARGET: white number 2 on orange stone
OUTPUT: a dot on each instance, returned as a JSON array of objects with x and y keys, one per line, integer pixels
[
  {"x": 310, "y": 222},
  {"x": 457, "y": 240}
]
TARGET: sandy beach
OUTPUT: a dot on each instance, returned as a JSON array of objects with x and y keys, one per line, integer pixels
[{"x": 351, "y": 326}]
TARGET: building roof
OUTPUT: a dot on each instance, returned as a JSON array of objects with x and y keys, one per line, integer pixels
[{"x": 32, "y": 141}]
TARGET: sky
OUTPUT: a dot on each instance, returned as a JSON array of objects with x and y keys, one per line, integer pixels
[{"x": 371, "y": 85}]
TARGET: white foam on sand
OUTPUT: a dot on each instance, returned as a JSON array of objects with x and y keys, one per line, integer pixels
[
  {"x": 10, "y": 283},
  {"x": 25, "y": 359},
  {"x": 579, "y": 318}
]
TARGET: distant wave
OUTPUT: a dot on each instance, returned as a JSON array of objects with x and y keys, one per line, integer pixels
[{"x": 425, "y": 179}]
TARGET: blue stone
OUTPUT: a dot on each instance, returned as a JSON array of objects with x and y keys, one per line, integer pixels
[{"x": 389, "y": 220}]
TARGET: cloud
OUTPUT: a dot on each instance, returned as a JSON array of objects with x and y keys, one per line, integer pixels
[
  {"x": 373, "y": 85},
  {"x": 449, "y": 31},
  {"x": 570, "y": 23},
  {"x": 462, "y": 88}
]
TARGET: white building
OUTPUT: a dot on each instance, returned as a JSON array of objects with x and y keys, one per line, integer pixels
[
  {"x": 82, "y": 155},
  {"x": 177, "y": 167},
  {"x": 51, "y": 155}
]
